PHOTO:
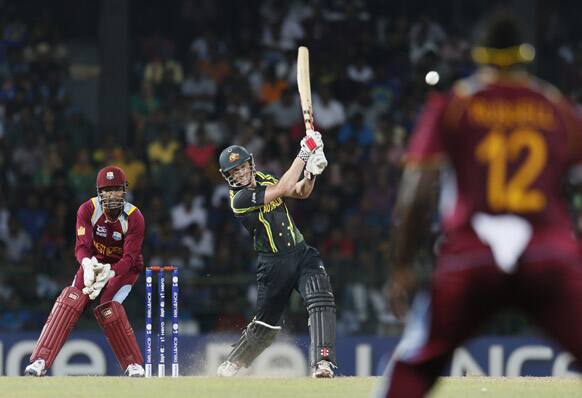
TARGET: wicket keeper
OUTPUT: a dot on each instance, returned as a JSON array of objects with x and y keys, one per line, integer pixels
[{"x": 110, "y": 234}]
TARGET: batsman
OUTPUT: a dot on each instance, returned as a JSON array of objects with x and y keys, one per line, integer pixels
[
  {"x": 109, "y": 237},
  {"x": 285, "y": 261}
]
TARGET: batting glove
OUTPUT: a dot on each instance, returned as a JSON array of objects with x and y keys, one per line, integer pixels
[
  {"x": 309, "y": 144},
  {"x": 316, "y": 163}
]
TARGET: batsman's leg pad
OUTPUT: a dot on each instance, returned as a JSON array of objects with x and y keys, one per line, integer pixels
[
  {"x": 255, "y": 338},
  {"x": 65, "y": 313},
  {"x": 320, "y": 305},
  {"x": 113, "y": 320}
]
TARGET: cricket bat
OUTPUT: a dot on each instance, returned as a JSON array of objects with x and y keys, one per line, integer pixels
[{"x": 304, "y": 86}]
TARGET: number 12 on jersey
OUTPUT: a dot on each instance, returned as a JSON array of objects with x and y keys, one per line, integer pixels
[{"x": 513, "y": 193}]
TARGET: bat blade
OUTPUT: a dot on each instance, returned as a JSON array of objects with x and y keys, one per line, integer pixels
[{"x": 304, "y": 86}]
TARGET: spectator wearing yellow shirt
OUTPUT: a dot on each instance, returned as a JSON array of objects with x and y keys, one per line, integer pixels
[
  {"x": 109, "y": 152},
  {"x": 162, "y": 151},
  {"x": 134, "y": 169},
  {"x": 163, "y": 67}
]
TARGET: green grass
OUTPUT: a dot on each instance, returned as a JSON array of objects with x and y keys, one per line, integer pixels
[
  {"x": 508, "y": 387},
  {"x": 212, "y": 387}
]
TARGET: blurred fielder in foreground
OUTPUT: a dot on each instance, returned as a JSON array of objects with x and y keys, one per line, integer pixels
[
  {"x": 110, "y": 234},
  {"x": 285, "y": 261},
  {"x": 509, "y": 140}
]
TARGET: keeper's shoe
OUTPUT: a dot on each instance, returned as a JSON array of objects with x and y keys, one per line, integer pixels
[
  {"x": 36, "y": 368},
  {"x": 135, "y": 370},
  {"x": 227, "y": 369},
  {"x": 323, "y": 370}
]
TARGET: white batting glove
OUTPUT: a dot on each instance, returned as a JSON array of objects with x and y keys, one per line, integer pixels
[
  {"x": 316, "y": 136},
  {"x": 88, "y": 270},
  {"x": 316, "y": 163},
  {"x": 309, "y": 144}
]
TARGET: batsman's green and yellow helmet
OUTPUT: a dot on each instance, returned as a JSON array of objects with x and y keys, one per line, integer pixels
[{"x": 231, "y": 157}]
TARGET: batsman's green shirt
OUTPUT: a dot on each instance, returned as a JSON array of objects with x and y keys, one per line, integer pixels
[{"x": 270, "y": 224}]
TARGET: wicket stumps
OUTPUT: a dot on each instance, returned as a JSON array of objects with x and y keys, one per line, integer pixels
[{"x": 149, "y": 273}]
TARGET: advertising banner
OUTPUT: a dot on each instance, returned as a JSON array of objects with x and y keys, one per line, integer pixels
[{"x": 87, "y": 353}]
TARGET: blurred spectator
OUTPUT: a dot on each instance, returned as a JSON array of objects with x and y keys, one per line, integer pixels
[
  {"x": 142, "y": 105},
  {"x": 203, "y": 152},
  {"x": 17, "y": 242},
  {"x": 51, "y": 163},
  {"x": 163, "y": 68},
  {"x": 426, "y": 36},
  {"x": 190, "y": 210},
  {"x": 108, "y": 151},
  {"x": 135, "y": 169},
  {"x": 200, "y": 244},
  {"x": 200, "y": 89},
  {"x": 214, "y": 66},
  {"x": 286, "y": 111},
  {"x": 162, "y": 151},
  {"x": 82, "y": 176},
  {"x": 251, "y": 138},
  {"x": 197, "y": 118},
  {"x": 330, "y": 112},
  {"x": 356, "y": 131},
  {"x": 360, "y": 71},
  {"x": 272, "y": 88},
  {"x": 32, "y": 216},
  {"x": 4, "y": 216},
  {"x": 165, "y": 245},
  {"x": 27, "y": 157}
]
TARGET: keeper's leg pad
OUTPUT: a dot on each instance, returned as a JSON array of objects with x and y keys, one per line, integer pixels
[
  {"x": 65, "y": 313},
  {"x": 113, "y": 320},
  {"x": 320, "y": 305},
  {"x": 255, "y": 338}
]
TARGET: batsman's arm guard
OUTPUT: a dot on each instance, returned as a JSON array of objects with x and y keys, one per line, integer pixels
[{"x": 255, "y": 338}]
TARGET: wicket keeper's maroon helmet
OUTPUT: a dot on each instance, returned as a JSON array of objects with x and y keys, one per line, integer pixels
[{"x": 111, "y": 176}]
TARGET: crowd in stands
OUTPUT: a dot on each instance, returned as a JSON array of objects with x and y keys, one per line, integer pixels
[{"x": 203, "y": 82}]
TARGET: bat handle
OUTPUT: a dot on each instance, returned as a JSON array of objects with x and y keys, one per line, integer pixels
[{"x": 308, "y": 118}]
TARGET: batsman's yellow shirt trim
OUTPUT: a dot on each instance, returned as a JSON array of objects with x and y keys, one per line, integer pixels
[
  {"x": 267, "y": 177},
  {"x": 269, "y": 232},
  {"x": 291, "y": 225}
]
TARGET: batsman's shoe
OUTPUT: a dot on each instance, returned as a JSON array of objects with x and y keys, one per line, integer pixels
[
  {"x": 135, "y": 370},
  {"x": 323, "y": 370},
  {"x": 227, "y": 369},
  {"x": 36, "y": 368}
]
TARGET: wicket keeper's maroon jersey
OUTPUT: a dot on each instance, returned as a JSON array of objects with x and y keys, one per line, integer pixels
[
  {"x": 118, "y": 243},
  {"x": 510, "y": 142}
]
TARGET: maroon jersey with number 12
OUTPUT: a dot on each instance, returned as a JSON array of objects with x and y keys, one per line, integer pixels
[{"x": 510, "y": 144}]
